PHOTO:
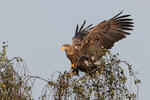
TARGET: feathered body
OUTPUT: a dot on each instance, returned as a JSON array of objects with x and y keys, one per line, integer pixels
[{"x": 90, "y": 43}]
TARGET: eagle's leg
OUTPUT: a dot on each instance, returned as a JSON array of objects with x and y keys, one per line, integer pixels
[
  {"x": 86, "y": 64},
  {"x": 77, "y": 66},
  {"x": 74, "y": 70}
]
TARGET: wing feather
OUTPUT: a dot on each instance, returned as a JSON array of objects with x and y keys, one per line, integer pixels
[
  {"x": 76, "y": 29},
  {"x": 103, "y": 36},
  {"x": 82, "y": 25},
  {"x": 81, "y": 33}
]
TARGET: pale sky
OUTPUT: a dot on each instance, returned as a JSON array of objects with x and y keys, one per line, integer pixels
[{"x": 36, "y": 29}]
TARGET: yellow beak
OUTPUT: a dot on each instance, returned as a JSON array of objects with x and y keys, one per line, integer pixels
[{"x": 63, "y": 48}]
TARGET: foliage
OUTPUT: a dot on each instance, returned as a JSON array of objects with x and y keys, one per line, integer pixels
[
  {"x": 13, "y": 80},
  {"x": 109, "y": 83}
]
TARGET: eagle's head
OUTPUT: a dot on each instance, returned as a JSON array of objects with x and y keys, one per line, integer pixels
[{"x": 66, "y": 48}]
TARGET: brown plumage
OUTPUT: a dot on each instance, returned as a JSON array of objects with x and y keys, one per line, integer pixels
[{"x": 90, "y": 43}]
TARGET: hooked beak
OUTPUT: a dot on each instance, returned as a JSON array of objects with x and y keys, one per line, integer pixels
[{"x": 63, "y": 48}]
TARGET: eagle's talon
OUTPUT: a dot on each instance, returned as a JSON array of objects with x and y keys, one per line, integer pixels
[{"x": 73, "y": 65}]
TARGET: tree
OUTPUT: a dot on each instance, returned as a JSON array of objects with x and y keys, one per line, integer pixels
[
  {"x": 13, "y": 78},
  {"x": 108, "y": 83}
]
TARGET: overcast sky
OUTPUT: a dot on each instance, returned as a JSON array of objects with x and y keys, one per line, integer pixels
[{"x": 36, "y": 29}]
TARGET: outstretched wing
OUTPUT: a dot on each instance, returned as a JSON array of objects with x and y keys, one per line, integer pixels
[
  {"x": 81, "y": 33},
  {"x": 103, "y": 36}
]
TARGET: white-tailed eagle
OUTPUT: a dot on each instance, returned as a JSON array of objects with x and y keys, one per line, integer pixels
[{"x": 91, "y": 43}]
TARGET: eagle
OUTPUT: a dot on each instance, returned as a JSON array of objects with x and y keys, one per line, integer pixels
[{"x": 90, "y": 43}]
